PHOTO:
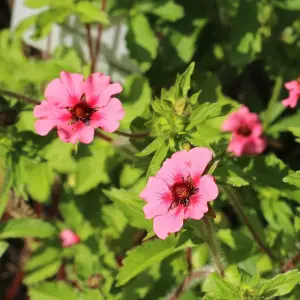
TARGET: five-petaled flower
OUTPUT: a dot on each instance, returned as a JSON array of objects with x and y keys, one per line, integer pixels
[
  {"x": 179, "y": 191},
  {"x": 246, "y": 131},
  {"x": 294, "y": 93},
  {"x": 68, "y": 238},
  {"x": 76, "y": 107}
]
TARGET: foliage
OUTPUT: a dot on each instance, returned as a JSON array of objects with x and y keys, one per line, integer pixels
[{"x": 196, "y": 62}]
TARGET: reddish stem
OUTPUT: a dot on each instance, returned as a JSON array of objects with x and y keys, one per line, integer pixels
[
  {"x": 103, "y": 136},
  {"x": 61, "y": 274},
  {"x": 90, "y": 42},
  {"x": 38, "y": 209},
  {"x": 18, "y": 96},
  {"x": 291, "y": 263},
  {"x": 133, "y": 135},
  {"x": 98, "y": 41},
  {"x": 188, "y": 254},
  {"x": 15, "y": 286}
]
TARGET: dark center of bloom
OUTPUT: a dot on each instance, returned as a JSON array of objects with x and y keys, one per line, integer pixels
[
  {"x": 182, "y": 191},
  {"x": 244, "y": 130},
  {"x": 82, "y": 111}
]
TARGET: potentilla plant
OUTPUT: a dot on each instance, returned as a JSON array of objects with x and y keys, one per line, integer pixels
[{"x": 163, "y": 186}]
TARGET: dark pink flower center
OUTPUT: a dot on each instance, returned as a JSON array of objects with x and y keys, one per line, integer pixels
[
  {"x": 182, "y": 191},
  {"x": 82, "y": 111},
  {"x": 244, "y": 130}
]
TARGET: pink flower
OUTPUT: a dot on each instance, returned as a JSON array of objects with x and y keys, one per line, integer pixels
[
  {"x": 246, "y": 131},
  {"x": 294, "y": 93},
  {"x": 68, "y": 238},
  {"x": 76, "y": 107},
  {"x": 179, "y": 191}
]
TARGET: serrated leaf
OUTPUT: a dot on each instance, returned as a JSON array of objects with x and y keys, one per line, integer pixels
[
  {"x": 145, "y": 256},
  {"x": 88, "y": 13},
  {"x": 141, "y": 41},
  {"x": 41, "y": 178},
  {"x": 217, "y": 288},
  {"x": 185, "y": 79},
  {"x": 293, "y": 179},
  {"x": 280, "y": 285},
  {"x": 157, "y": 159},
  {"x": 52, "y": 291},
  {"x": 136, "y": 97},
  {"x": 18, "y": 228},
  {"x": 87, "y": 176},
  {"x": 153, "y": 146},
  {"x": 131, "y": 206}
]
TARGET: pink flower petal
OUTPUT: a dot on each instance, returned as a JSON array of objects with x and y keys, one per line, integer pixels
[
  {"x": 108, "y": 117},
  {"x": 86, "y": 134},
  {"x": 208, "y": 191},
  {"x": 68, "y": 134},
  {"x": 43, "y": 126},
  {"x": 106, "y": 95},
  {"x": 236, "y": 145},
  {"x": 66, "y": 91},
  {"x": 166, "y": 224},
  {"x": 292, "y": 85},
  {"x": 158, "y": 196},
  {"x": 94, "y": 86}
]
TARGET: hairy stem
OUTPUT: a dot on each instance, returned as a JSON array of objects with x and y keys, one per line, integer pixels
[
  {"x": 133, "y": 135},
  {"x": 103, "y": 136},
  {"x": 239, "y": 210},
  {"x": 213, "y": 245},
  {"x": 98, "y": 41},
  {"x": 18, "y": 96},
  {"x": 90, "y": 43},
  {"x": 291, "y": 263}
]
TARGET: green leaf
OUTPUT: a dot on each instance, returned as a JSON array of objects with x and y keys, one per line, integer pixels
[
  {"x": 52, "y": 291},
  {"x": 87, "y": 176},
  {"x": 92, "y": 295},
  {"x": 280, "y": 285},
  {"x": 40, "y": 180},
  {"x": 136, "y": 97},
  {"x": 153, "y": 146},
  {"x": 44, "y": 264},
  {"x": 18, "y": 228},
  {"x": 88, "y": 13},
  {"x": 157, "y": 159},
  {"x": 217, "y": 288},
  {"x": 185, "y": 79},
  {"x": 293, "y": 179},
  {"x": 131, "y": 206},
  {"x": 141, "y": 41},
  {"x": 142, "y": 257},
  {"x": 169, "y": 10},
  {"x": 4, "y": 194},
  {"x": 3, "y": 247},
  {"x": 51, "y": 3}
]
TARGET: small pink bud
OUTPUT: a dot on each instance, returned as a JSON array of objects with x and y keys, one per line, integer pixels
[{"x": 68, "y": 238}]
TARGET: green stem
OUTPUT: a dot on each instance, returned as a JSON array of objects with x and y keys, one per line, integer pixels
[
  {"x": 239, "y": 210},
  {"x": 274, "y": 99},
  {"x": 213, "y": 245}
]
